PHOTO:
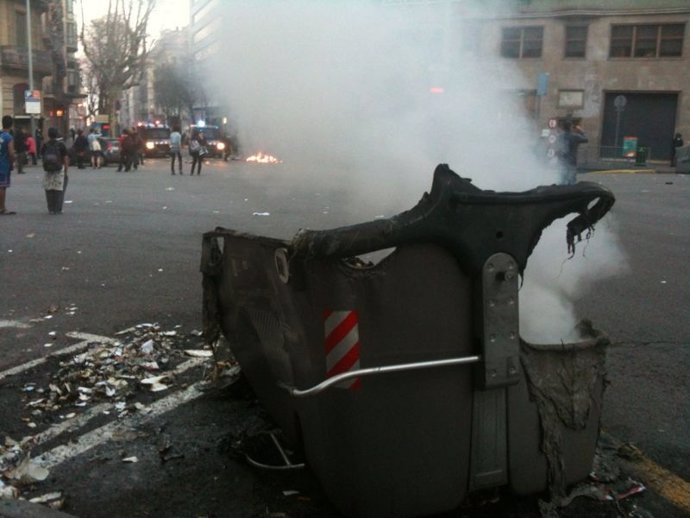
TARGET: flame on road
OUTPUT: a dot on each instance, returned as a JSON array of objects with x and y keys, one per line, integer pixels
[{"x": 261, "y": 158}]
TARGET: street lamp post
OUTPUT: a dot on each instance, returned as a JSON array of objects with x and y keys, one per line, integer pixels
[{"x": 31, "y": 62}]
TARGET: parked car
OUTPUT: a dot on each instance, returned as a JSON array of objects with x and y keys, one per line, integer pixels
[{"x": 110, "y": 147}]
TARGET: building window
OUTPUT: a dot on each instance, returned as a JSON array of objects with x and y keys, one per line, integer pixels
[
  {"x": 20, "y": 24},
  {"x": 204, "y": 32},
  {"x": 69, "y": 6},
  {"x": 522, "y": 42},
  {"x": 204, "y": 11},
  {"x": 575, "y": 41},
  {"x": 71, "y": 35},
  {"x": 647, "y": 41}
]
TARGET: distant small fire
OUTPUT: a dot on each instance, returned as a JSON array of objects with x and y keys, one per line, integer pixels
[{"x": 262, "y": 158}]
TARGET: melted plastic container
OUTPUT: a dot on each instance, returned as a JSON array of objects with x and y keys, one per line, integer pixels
[{"x": 405, "y": 382}]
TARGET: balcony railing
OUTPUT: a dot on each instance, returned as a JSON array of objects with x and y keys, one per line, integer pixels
[{"x": 17, "y": 58}]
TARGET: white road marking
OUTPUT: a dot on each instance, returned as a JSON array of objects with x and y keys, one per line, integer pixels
[
  {"x": 93, "y": 438},
  {"x": 82, "y": 419},
  {"x": 86, "y": 340},
  {"x": 89, "y": 440},
  {"x": 14, "y": 323},
  {"x": 92, "y": 338}
]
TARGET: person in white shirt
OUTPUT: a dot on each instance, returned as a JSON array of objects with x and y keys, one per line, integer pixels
[{"x": 175, "y": 149}]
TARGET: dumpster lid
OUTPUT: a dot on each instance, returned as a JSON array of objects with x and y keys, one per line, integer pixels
[{"x": 470, "y": 222}]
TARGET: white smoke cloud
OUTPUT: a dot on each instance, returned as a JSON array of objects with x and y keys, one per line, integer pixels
[
  {"x": 340, "y": 91},
  {"x": 553, "y": 282}
]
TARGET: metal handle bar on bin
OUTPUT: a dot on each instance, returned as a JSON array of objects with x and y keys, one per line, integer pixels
[
  {"x": 472, "y": 223},
  {"x": 384, "y": 369}
]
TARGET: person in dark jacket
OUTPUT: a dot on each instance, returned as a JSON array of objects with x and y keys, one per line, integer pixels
[
  {"x": 20, "y": 149},
  {"x": 6, "y": 161},
  {"x": 55, "y": 165},
  {"x": 677, "y": 142},
  {"x": 569, "y": 141},
  {"x": 81, "y": 148},
  {"x": 197, "y": 150},
  {"x": 127, "y": 151},
  {"x": 39, "y": 141}
]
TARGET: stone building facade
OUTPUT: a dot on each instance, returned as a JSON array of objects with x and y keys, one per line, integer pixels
[
  {"x": 56, "y": 76},
  {"x": 619, "y": 67}
]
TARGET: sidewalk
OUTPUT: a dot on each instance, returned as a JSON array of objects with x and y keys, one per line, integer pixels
[{"x": 622, "y": 167}]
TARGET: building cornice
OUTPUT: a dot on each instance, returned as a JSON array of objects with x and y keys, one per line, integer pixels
[{"x": 594, "y": 13}]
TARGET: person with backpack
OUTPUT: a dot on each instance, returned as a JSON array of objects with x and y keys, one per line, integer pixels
[
  {"x": 6, "y": 161},
  {"x": 55, "y": 165}
]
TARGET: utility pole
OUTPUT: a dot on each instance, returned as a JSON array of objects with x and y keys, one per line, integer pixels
[{"x": 31, "y": 62}]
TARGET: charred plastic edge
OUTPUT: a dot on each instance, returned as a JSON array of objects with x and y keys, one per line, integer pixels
[{"x": 472, "y": 223}]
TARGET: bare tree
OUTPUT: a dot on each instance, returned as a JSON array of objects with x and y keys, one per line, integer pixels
[
  {"x": 90, "y": 82},
  {"x": 116, "y": 49},
  {"x": 175, "y": 90}
]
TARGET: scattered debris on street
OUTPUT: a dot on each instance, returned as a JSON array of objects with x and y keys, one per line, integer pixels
[{"x": 107, "y": 378}]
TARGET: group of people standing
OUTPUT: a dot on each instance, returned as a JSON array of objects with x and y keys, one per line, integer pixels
[
  {"x": 131, "y": 150},
  {"x": 55, "y": 165},
  {"x": 198, "y": 149},
  {"x": 26, "y": 148},
  {"x": 16, "y": 147}
]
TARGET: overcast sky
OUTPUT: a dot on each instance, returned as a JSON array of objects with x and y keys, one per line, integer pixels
[{"x": 167, "y": 14}]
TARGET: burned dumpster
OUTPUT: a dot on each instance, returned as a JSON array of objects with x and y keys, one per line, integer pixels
[{"x": 406, "y": 382}]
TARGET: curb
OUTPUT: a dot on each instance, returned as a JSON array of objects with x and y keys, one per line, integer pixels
[
  {"x": 625, "y": 171},
  {"x": 25, "y": 509}
]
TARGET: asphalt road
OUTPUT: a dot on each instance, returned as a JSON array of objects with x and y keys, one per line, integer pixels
[{"x": 126, "y": 251}]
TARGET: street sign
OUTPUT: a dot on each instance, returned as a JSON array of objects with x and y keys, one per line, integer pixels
[
  {"x": 32, "y": 102},
  {"x": 619, "y": 102},
  {"x": 629, "y": 147},
  {"x": 542, "y": 84}
]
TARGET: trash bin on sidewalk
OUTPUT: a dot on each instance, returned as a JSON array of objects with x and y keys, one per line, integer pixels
[
  {"x": 406, "y": 382},
  {"x": 641, "y": 155},
  {"x": 683, "y": 159}
]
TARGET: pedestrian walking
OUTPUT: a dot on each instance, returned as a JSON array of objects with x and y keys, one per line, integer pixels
[
  {"x": 94, "y": 148},
  {"x": 677, "y": 142},
  {"x": 127, "y": 151},
  {"x": 228, "y": 149},
  {"x": 138, "y": 152},
  {"x": 175, "y": 149},
  {"x": 31, "y": 148},
  {"x": 39, "y": 141},
  {"x": 6, "y": 162},
  {"x": 20, "y": 150},
  {"x": 55, "y": 165},
  {"x": 568, "y": 143},
  {"x": 80, "y": 148},
  {"x": 197, "y": 150}
]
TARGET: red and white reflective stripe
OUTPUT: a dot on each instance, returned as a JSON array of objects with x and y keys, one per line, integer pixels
[{"x": 341, "y": 331}]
